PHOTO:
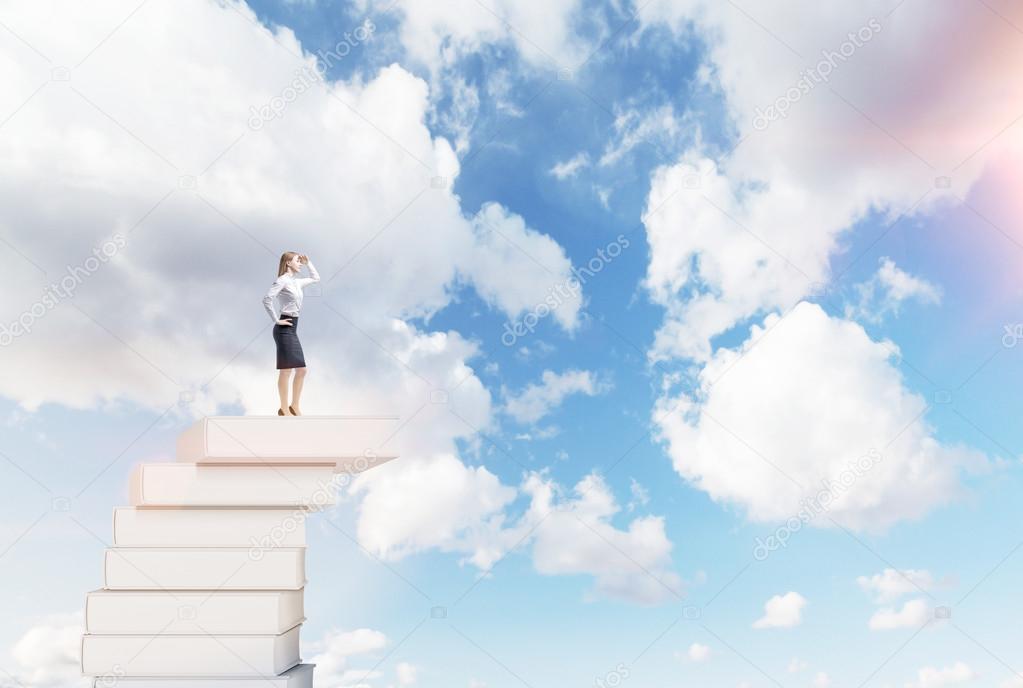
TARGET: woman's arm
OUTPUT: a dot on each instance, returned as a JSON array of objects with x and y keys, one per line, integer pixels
[
  {"x": 268, "y": 300},
  {"x": 315, "y": 276}
]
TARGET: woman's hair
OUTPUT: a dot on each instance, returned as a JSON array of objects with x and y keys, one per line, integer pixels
[{"x": 285, "y": 259}]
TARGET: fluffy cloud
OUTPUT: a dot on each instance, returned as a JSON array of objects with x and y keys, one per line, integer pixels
[
  {"x": 753, "y": 230},
  {"x": 578, "y": 537},
  {"x": 436, "y": 34},
  {"x": 48, "y": 655},
  {"x": 503, "y": 240},
  {"x": 406, "y": 673},
  {"x": 810, "y": 416},
  {"x": 537, "y": 400},
  {"x": 891, "y": 584},
  {"x": 333, "y": 653},
  {"x": 429, "y": 503},
  {"x": 931, "y": 677},
  {"x": 699, "y": 652},
  {"x": 440, "y": 503},
  {"x": 782, "y": 611},
  {"x": 914, "y": 613}
]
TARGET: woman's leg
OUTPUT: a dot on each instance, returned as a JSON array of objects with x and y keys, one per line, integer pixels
[
  {"x": 282, "y": 387},
  {"x": 296, "y": 390}
]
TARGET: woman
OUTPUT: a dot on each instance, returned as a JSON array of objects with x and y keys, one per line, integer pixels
[{"x": 289, "y": 350}]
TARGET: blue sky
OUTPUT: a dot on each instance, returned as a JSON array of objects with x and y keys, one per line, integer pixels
[{"x": 841, "y": 281}]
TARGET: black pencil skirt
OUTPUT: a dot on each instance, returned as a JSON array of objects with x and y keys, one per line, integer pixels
[{"x": 289, "y": 349}]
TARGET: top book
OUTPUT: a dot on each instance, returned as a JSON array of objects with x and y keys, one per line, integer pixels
[{"x": 352, "y": 443}]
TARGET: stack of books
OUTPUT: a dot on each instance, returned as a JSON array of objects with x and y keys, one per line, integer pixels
[{"x": 204, "y": 583}]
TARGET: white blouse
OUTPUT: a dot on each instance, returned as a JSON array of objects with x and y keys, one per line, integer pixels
[{"x": 288, "y": 288}]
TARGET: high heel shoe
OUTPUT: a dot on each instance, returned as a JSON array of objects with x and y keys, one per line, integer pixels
[
  {"x": 292, "y": 409},
  {"x": 280, "y": 412}
]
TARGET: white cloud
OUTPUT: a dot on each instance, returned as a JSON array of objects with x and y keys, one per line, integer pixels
[
  {"x": 884, "y": 293},
  {"x": 821, "y": 680},
  {"x": 437, "y": 34},
  {"x": 914, "y": 613},
  {"x": 699, "y": 652},
  {"x": 578, "y": 537},
  {"x": 461, "y": 113},
  {"x": 891, "y": 584},
  {"x": 930, "y": 677},
  {"x": 48, "y": 655},
  {"x": 333, "y": 653},
  {"x": 660, "y": 127},
  {"x": 512, "y": 259},
  {"x": 570, "y": 167},
  {"x": 782, "y": 611},
  {"x": 640, "y": 495},
  {"x": 810, "y": 408},
  {"x": 406, "y": 673},
  {"x": 539, "y": 399},
  {"x": 440, "y": 503},
  {"x": 573, "y": 534},
  {"x": 431, "y": 503},
  {"x": 753, "y": 230}
]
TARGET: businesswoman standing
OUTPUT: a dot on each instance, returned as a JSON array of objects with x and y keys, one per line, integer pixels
[{"x": 288, "y": 288}]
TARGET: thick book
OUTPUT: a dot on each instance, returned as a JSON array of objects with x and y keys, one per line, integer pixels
[
  {"x": 351, "y": 444},
  {"x": 204, "y": 568},
  {"x": 190, "y": 655},
  {"x": 197, "y": 527},
  {"x": 182, "y": 484},
  {"x": 299, "y": 676},
  {"x": 227, "y": 612}
]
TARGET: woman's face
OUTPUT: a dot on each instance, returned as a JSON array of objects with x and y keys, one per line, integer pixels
[{"x": 295, "y": 263}]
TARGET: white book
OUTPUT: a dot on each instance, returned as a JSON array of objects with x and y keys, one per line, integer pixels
[
  {"x": 228, "y": 612},
  {"x": 182, "y": 484},
  {"x": 350, "y": 443},
  {"x": 299, "y": 676},
  {"x": 203, "y": 568},
  {"x": 197, "y": 527},
  {"x": 190, "y": 655}
]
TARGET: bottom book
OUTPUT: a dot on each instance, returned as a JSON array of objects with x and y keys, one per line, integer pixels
[{"x": 300, "y": 676}]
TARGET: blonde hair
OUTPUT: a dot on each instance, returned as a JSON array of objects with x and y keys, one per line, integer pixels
[{"x": 285, "y": 259}]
